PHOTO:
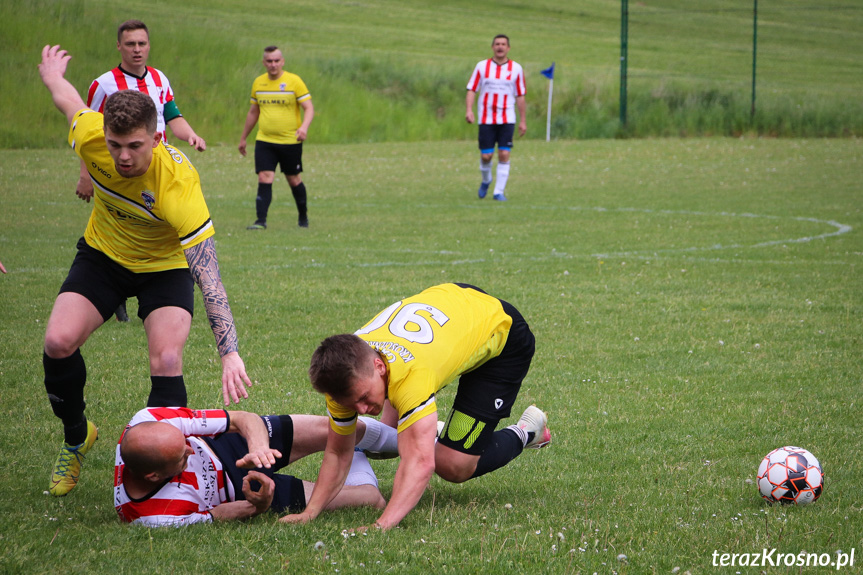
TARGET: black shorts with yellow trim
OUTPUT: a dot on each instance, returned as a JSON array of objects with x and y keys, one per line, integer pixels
[{"x": 486, "y": 395}]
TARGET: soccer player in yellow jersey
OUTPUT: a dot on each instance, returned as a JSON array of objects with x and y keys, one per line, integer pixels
[
  {"x": 148, "y": 230},
  {"x": 277, "y": 97},
  {"x": 133, "y": 73},
  {"x": 395, "y": 366}
]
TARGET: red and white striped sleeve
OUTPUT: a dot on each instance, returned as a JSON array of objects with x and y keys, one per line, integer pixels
[
  {"x": 520, "y": 84},
  {"x": 192, "y": 422},
  {"x": 476, "y": 78},
  {"x": 96, "y": 96}
]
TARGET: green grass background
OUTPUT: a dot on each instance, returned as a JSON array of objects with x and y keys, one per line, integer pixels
[
  {"x": 386, "y": 70},
  {"x": 696, "y": 304}
]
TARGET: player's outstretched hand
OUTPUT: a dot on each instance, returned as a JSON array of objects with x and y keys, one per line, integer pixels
[
  {"x": 263, "y": 498},
  {"x": 260, "y": 458},
  {"x": 234, "y": 378},
  {"x": 54, "y": 61},
  {"x": 242, "y": 148},
  {"x": 2, "y": 269}
]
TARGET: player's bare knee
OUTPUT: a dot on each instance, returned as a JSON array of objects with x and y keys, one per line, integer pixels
[
  {"x": 458, "y": 476},
  {"x": 369, "y": 495},
  {"x": 166, "y": 362},
  {"x": 58, "y": 346},
  {"x": 486, "y": 158},
  {"x": 453, "y": 473},
  {"x": 378, "y": 500}
]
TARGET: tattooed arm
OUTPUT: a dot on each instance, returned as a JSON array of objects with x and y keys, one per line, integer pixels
[{"x": 205, "y": 270}]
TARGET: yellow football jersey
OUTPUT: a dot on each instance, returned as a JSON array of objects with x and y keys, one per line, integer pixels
[
  {"x": 429, "y": 340},
  {"x": 142, "y": 223},
  {"x": 279, "y": 101}
]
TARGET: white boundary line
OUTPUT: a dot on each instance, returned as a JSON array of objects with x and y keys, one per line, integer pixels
[{"x": 840, "y": 229}]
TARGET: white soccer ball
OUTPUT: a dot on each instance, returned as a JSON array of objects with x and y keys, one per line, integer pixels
[{"x": 790, "y": 475}]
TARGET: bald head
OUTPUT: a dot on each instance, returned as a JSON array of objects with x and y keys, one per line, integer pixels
[{"x": 153, "y": 447}]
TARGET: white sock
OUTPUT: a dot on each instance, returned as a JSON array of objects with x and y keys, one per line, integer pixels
[
  {"x": 485, "y": 171},
  {"x": 502, "y": 176},
  {"x": 361, "y": 472},
  {"x": 379, "y": 437}
]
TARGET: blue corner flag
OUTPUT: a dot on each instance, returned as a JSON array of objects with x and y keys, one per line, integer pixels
[{"x": 549, "y": 73}]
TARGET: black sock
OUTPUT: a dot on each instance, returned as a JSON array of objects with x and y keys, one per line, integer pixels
[
  {"x": 76, "y": 433},
  {"x": 167, "y": 391},
  {"x": 64, "y": 382},
  {"x": 505, "y": 446},
  {"x": 263, "y": 200},
  {"x": 299, "y": 193}
]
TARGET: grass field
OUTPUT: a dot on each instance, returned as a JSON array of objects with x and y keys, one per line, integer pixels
[
  {"x": 396, "y": 70},
  {"x": 696, "y": 304}
]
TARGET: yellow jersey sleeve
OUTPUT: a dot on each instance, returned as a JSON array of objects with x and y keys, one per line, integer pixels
[
  {"x": 183, "y": 207},
  {"x": 343, "y": 420},
  {"x": 86, "y": 126},
  {"x": 142, "y": 223},
  {"x": 428, "y": 341}
]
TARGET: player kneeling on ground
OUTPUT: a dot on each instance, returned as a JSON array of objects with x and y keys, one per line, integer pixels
[
  {"x": 396, "y": 364},
  {"x": 177, "y": 466}
]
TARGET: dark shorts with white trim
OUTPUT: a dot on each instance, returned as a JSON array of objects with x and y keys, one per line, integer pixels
[{"x": 289, "y": 494}]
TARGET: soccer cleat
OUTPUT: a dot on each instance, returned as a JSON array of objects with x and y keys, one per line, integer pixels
[
  {"x": 379, "y": 454},
  {"x": 120, "y": 312},
  {"x": 500, "y": 197},
  {"x": 483, "y": 189},
  {"x": 534, "y": 420},
  {"x": 258, "y": 225},
  {"x": 303, "y": 222},
  {"x": 67, "y": 468}
]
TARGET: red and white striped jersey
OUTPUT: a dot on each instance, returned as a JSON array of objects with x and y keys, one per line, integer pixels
[
  {"x": 153, "y": 82},
  {"x": 188, "y": 497},
  {"x": 499, "y": 85}
]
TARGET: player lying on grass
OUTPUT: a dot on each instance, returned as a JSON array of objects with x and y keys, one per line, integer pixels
[
  {"x": 176, "y": 466},
  {"x": 398, "y": 362}
]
